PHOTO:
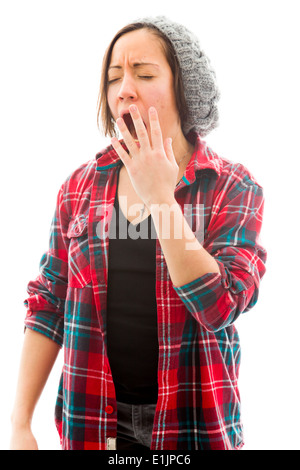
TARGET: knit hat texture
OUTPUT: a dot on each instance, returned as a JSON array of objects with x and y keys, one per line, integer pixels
[{"x": 199, "y": 79}]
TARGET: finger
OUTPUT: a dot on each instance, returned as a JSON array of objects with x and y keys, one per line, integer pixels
[
  {"x": 121, "y": 151},
  {"x": 140, "y": 127},
  {"x": 156, "y": 134},
  {"x": 128, "y": 139},
  {"x": 169, "y": 150}
]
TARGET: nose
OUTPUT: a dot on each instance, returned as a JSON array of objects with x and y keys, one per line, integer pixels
[{"x": 127, "y": 90}]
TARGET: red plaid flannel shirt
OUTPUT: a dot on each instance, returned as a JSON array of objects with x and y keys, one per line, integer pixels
[{"x": 198, "y": 403}]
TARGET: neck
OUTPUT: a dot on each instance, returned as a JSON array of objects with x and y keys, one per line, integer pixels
[{"x": 182, "y": 148}]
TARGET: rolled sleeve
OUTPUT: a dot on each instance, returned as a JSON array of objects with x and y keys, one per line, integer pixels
[
  {"x": 46, "y": 323},
  {"x": 47, "y": 293},
  {"x": 216, "y": 300},
  {"x": 208, "y": 301}
]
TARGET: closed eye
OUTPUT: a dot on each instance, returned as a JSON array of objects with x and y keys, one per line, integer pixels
[
  {"x": 144, "y": 77},
  {"x": 113, "y": 80}
]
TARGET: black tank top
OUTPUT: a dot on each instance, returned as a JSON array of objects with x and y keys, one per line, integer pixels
[{"x": 132, "y": 341}]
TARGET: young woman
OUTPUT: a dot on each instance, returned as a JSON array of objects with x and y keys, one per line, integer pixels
[{"x": 154, "y": 253}]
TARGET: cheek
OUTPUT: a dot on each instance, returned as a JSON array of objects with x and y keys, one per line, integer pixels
[
  {"x": 168, "y": 114},
  {"x": 161, "y": 104},
  {"x": 166, "y": 107},
  {"x": 165, "y": 99}
]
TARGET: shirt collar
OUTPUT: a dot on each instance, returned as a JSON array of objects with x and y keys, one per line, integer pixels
[
  {"x": 203, "y": 158},
  {"x": 107, "y": 158}
]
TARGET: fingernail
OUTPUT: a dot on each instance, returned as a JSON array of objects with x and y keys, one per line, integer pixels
[{"x": 133, "y": 108}]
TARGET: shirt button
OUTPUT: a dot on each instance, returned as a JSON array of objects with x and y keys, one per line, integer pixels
[
  {"x": 109, "y": 409},
  {"x": 29, "y": 313}
]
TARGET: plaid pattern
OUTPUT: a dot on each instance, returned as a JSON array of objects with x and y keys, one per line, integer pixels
[{"x": 199, "y": 352}]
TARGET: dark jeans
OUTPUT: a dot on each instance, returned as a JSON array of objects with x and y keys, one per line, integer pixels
[{"x": 134, "y": 428}]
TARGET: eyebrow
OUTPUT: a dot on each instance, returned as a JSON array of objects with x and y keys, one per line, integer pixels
[{"x": 135, "y": 65}]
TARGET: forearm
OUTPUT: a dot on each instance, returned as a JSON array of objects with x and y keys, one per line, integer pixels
[
  {"x": 186, "y": 259},
  {"x": 38, "y": 356}
]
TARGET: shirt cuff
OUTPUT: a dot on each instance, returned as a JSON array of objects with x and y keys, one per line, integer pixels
[
  {"x": 209, "y": 300},
  {"x": 49, "y": 323}
]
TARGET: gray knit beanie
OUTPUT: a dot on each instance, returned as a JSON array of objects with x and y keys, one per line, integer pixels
[{"x": 199, "y": 80}]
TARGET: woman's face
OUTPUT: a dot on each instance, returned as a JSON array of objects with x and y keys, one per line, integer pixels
[{"x": 140, "y": 74}]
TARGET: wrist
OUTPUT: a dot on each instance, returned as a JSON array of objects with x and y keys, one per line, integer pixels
[
  {"x": 20, "y": 421},
  {"x": 158, "y": 203}
]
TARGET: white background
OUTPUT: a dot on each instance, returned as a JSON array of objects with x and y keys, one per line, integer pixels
[{"x": 51, "y": 53}]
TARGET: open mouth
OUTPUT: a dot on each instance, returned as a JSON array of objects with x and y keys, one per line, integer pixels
[{"x": 130, "y": 125}]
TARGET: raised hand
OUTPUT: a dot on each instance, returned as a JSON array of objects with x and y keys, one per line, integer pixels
[{"x": 151, "y": 163}]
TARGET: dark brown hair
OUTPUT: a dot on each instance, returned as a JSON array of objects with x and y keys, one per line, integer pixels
[{"x": 103, "y": 111}]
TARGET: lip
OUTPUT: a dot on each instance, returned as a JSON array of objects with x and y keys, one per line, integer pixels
[
  {"x": 122, "y": 113},
  {"x": 126, "y": 111}
]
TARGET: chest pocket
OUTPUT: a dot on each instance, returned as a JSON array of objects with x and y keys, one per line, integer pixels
[{"x": 79, "y": 273}]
